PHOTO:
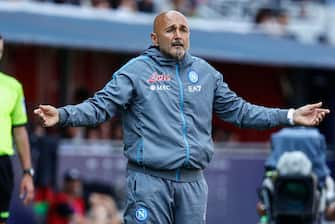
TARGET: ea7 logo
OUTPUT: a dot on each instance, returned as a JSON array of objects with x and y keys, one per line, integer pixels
[{"x": 193, "y": 89}]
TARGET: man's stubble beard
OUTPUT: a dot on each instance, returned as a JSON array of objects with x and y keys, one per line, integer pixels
[{"x": 179, "y": 54}]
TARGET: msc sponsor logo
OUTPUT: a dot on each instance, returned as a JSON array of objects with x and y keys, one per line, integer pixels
[
  {"x": 155, "y": 77},
  {"x": 160, "y": 87}
]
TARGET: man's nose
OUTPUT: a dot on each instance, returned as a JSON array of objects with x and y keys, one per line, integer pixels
[{"x": 177, "y": 35}]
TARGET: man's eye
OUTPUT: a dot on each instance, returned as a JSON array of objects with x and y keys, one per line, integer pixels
[{"x": 185, "y": 30}]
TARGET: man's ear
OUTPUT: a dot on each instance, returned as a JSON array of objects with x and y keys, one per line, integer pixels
[{"x": 154, "y": 39}]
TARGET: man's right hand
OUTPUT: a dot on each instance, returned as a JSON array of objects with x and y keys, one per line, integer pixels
[{"x": 48, "y": 115}]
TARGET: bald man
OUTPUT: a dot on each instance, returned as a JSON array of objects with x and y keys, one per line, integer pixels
[{"x": 167, "y": 97}]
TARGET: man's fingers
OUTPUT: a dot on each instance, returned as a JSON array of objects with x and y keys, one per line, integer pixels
[
  {"x": 319, "y": 118},
  {"x": 42, "y": 109},
  {"x": 41, "y": 117},
  {"x": 322, "y": 110},
  {"x": 41, "y": 113},
  {"x": 316, "y": 105},
  {"x": 45, "y": 108},
  {"x": 27, "y": 190},
  {"x": 29, "y": 198},
  {"x": 37, "y": 111},
  {"x": 316, "y": 121}
]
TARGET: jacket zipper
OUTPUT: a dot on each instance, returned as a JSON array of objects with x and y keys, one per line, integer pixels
[{"x": 182, "y": 115}]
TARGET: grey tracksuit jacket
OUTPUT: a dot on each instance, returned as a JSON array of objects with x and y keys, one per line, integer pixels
[{"x": 167, "y": 108}]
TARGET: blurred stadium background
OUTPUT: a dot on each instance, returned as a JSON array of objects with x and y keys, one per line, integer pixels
[{"x": 272, "y": 52}]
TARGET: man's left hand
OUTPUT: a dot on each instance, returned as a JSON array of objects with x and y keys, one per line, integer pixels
[{"x": 310, "y": 114}]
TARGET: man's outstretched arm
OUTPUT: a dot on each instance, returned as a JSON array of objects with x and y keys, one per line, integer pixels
[{"x": 93, "y": 111}]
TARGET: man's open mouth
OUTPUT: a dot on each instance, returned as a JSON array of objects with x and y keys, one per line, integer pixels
[{"x": 177, "y": 44}]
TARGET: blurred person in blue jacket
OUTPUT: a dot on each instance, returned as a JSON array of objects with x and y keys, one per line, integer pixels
[
  {"x": 301, "y": 151},
  {"x": 167, "y": 97},
  {"x": 307, "y": 140}
]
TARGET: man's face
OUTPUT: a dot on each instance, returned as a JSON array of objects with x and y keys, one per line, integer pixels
[
  {"x": 1, "y": 48},
  {"x": 171, "y": 34}
]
